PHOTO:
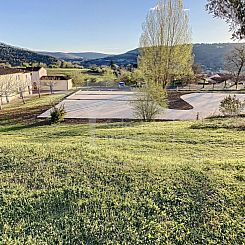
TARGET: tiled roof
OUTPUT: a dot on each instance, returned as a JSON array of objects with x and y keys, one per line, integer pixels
[
  {"x": 32, "y": 68},
  {"x": 7, "y": 71}
]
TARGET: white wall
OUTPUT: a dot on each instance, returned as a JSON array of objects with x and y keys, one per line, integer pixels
[
  {"x": 59, "y": 85},
  {"x": 36, "y": 75},
  {"x": 17, "y": 79},
  {"x": 14, "y": 97},
  {"x": 69, "y": 84},
  {"x": 43, "y": 72}
]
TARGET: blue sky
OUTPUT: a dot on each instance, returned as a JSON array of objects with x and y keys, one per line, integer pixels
[{"x": 110, "y": 26}]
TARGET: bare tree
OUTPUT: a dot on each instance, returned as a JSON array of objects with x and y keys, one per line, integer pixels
[
  {"x": 2, "y": 91},
  {"x": 24, "y": 84},
  {"x": 37, "y": 87},
  {"x": 149, "y": 102},
  {"x": 51, "y": 84},
  {"x": 11, "y": 84},
  {"x": 235, "y": 63}
]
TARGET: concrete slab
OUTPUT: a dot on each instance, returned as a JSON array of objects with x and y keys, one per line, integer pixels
[
  {"x": 116, "y": 105},
  {"x": 103, "y": 95}
]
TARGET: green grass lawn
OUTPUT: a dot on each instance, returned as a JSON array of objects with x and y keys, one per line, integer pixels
[{"x": 132, "y": 183}]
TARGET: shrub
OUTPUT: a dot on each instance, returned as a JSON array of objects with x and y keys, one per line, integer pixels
[
  {"x": 57, "y": 114},
  {"x": 231, "y": 106},
  {"x": 149, "y": 102}
]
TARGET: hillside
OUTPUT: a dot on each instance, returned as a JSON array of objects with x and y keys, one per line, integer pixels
[
  {"x": 17, "y": 56},
  {"x": 210, "y": 56},
  {"x": 121, "y": 59},
  {"x": 126, "y": 183},
  {"x": 75, "y": 56}
]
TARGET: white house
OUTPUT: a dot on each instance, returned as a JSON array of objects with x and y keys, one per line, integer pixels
[
  {"x": 20, "y": 82},
  {"x": 42, "y": 82},
  {"x": 14, "y": 83},
  {"x": 36, "y": 73},
  {"x": 56, "y": 83}
]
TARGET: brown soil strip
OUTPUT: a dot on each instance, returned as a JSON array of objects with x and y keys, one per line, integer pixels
[
  {"x": 27, "y": 115},
  {"x": 175, "y": 102}
]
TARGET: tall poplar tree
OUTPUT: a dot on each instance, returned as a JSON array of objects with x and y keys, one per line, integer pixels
[{"x": 165, "y": 44}]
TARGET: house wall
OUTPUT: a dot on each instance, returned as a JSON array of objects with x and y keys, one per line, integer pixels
[
  {"x": 69, "y": 84},
  {"x": 59, "y": 85},
  {"x": 13, "y": 97},
  {"x": 17, "y": 79},
  {"x": 36, "y": 75},
  {"x": 43, "y": 72}
]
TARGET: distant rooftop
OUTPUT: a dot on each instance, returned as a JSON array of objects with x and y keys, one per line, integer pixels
[
  {"x": 55, "y": 78},
  {"x": 32, "y": 68}
]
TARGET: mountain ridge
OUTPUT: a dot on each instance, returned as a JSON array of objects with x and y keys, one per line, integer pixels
[
  {"x": 16, "y": 56},
  {"x": 75, "y": 56},
  {"x": 210, "y": 56}
]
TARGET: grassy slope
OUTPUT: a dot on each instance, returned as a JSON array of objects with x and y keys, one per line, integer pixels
[{"x": 154, "y": 183}]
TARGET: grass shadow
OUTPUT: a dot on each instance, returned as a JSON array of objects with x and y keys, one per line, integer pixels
[
  {"x": 221, "y": 123},
  {"x": 19, "y": 127}
]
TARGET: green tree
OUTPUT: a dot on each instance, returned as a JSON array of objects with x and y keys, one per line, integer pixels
[
  {"x": 109, "y": 76},
  {"x": 233, "y": 12},
  {"x": 165, "y": 45},
  {"x": 126, "y": 76},
  {"x": 137, "y": 77},
  {"x": 57, "y": 114},
  {"x": 231, "y": 106},
  {"x": 77, "y": 78},
  {"x": 165, "y": 55}
]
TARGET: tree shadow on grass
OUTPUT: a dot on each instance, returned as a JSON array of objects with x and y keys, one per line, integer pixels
[
  {"x": 18, "y": 127},
  {"x": 21, "y": 116},
  {"x": 221, "y": 123},
  {"x": 90, "y": 129},
  {"x": 203, "y": 210}
]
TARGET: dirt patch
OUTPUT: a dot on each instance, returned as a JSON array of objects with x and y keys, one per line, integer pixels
[
  {"x": 176, "y": 102},
  {"x": 27, "y": 115}
]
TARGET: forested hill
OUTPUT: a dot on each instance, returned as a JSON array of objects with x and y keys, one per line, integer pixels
[
  {"x": 17, "y": 56},
  {"x": 210, "y": 56}
]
